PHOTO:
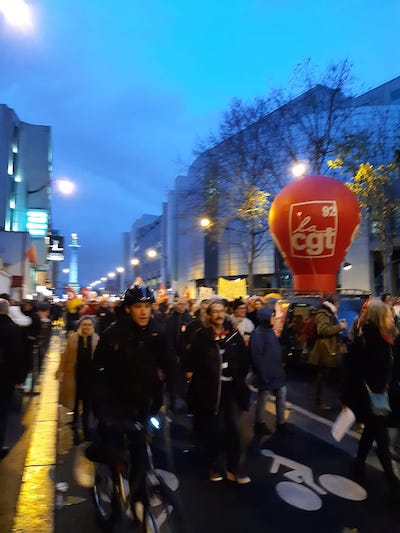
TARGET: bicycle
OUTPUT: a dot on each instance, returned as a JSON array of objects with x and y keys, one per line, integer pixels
[{"x": 148, "y": 507}]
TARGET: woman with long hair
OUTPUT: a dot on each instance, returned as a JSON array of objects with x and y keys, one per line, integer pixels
[
  {"x": 369, "y": 367},
  {"x": 75, "y": 372}
]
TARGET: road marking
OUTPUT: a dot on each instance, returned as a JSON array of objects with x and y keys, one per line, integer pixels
[{"x": 270, "y": 407}]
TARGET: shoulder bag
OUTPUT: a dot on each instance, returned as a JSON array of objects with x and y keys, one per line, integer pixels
[{"x": 379, "y": 402}]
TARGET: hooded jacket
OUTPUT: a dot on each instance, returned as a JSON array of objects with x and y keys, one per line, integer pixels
[
  {"x": 326, "y": 344},
  {"x": 266, "y": 353}
]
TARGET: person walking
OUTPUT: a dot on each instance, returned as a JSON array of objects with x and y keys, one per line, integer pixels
[
  {"x": 240, "y": 321},
  {"x": 324, "y": 354},
  {"x": 369, "y": 367},
  {"x": 12, "y": 366},
  {"x": 266, "y": 358},
  {"x": 217, "y": 364},
  {"x": 75, "y": 372},
  {"x": 176, "y": 325}
]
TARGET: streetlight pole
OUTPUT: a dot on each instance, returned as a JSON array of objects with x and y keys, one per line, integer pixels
[
  {"x": 120, "y": 271},
  {"x": 135, "y": 264},
  {"x": 111, "y": 283}
]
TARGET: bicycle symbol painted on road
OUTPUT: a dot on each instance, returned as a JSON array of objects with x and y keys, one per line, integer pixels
[{"x": 307, "y": 498}]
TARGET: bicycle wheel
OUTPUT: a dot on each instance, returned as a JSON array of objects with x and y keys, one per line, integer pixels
[
  {"x": 103, "y": 495},
  {"x": 108, "y": 501},
  {"x": 163, "y": 512}
]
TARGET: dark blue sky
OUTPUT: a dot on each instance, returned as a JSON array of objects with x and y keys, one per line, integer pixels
[{"x": 129, "y": 88}]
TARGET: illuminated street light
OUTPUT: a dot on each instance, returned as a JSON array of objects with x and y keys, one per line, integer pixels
[
  {"x": 299, "y": 169},
  {"x": 120, "y": 270},
  {"x": 347, "y": 265},
  {"x": 65, "y": 270},
  {"x": 135, "y": 261},
  {"x": 111, "y": 275},
  {"x": 205, "y": 222},
  {"x": 17, "y": 13},
  {"x": 103, "y": 279},
  {"x": 151, "y": 253},
  {"x": 65, "y": 186}
]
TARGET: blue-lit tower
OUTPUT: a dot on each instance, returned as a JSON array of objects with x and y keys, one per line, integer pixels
[{"x": 73, "y": 263}]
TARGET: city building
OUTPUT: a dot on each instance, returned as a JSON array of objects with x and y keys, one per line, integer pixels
[{"x": 25, "y": 209}]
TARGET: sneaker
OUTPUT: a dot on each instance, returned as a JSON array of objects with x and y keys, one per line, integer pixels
[
  {"x": 215, "y": 475},
  {"x": 241, "y": 479}
]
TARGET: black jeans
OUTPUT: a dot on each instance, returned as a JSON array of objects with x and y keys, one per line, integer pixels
[
  {"x": 219, "y": 434},
  {"x": 127, "y": 447},
  {"x": 83, "y": 395},
  {"x": 375, "y": 429}
]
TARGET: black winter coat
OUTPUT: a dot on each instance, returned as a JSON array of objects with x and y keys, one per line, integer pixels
[
  {"x": 369, "y": 361},
  {"x": 205, "y": 362},
  {"x": 266, "y": 358},
  {"x": 12, "y": 355},
  {"x": 128, "y": 364},
  {"x": 176, "y": 331}
]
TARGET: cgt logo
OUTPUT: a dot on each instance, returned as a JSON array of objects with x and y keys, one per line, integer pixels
[{"x": 313, "y": 228}]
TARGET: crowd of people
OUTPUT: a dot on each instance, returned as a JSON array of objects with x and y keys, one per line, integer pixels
[{"x": 123, "y": 361}]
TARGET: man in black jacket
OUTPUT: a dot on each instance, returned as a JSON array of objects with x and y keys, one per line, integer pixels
[
  {"x": 217, "y": 364},
  {"x": 130, "y": 361},
  {"x": 176, "y": 326},
  {"x": 129, "y": 366},
  {"x": 12, "y": 367}
]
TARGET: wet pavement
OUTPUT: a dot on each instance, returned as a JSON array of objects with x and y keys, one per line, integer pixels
[{"x": 300, "y": 482}]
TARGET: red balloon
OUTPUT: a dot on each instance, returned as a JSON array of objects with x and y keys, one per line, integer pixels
[{"x": 313, "y": 221}]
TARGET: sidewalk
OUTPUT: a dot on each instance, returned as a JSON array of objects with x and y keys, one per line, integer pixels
[{"x": 35, "y": 505}]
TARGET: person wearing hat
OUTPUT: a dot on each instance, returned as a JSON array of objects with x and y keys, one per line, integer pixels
[
  {"x": 265, "y": 350},
  {"x": 130, "y": 364},
  {"x": 239, "y": 320}
]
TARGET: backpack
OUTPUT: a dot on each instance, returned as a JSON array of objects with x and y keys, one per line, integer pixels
[{"x": 309, "y": 332}]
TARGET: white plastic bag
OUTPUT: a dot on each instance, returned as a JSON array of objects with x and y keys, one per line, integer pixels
[{"x": 342, "y": 424}]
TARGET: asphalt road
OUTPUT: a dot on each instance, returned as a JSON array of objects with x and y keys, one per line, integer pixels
[{"x": 300, "y": 482}]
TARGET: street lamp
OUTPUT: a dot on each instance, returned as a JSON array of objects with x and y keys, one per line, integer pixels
[
  {"x": 135, "y": 263},
  {"x": 205, "y": 222},
  {"x": 111, "y": 286},
  {"x": 17, "y": 13},
  {"x": 151, "y": 253},
  {"x": 299, "y": 169},
  {"x": 120, "y": 270},
  {"x": 65, "y": 186}
]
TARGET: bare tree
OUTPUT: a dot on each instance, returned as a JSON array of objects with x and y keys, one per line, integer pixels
[{"x": 247, "y": 162}]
